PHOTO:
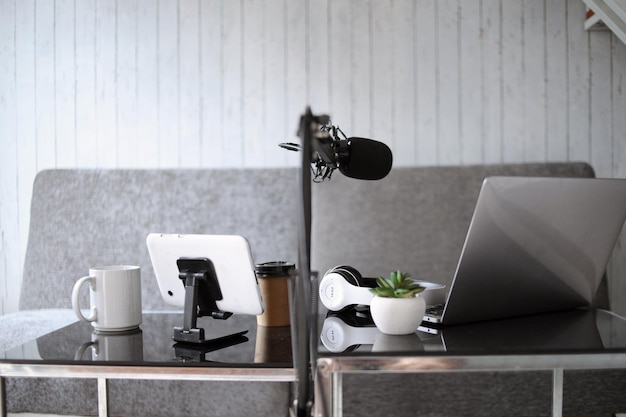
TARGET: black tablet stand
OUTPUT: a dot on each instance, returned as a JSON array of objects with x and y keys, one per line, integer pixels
[
  {"x": 202, "y": 290},
  {"x": 196, "y": 352}
]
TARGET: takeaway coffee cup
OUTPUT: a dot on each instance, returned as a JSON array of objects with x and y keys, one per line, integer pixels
[
  {"x": 273, "y": 278},
  {"x": 114, "y": 295},
  {"x": 273, "y": 345}
]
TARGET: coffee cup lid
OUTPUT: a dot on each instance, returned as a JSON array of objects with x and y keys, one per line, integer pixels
[{"x": 277, "y": 268}]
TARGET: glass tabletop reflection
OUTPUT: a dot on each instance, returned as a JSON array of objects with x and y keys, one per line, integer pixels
[
  {"x": 237, "y": 341},
  {"x": 352, "y": 333}
]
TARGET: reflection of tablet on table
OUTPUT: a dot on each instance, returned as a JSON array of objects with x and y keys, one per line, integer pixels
[{"x": 231, "y": 258}]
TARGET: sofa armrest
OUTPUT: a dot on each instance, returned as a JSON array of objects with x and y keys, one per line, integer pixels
[{"x": 24, "y": 326}]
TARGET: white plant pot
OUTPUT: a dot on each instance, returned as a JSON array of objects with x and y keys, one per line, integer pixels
[{"x": 398, "y": 316}]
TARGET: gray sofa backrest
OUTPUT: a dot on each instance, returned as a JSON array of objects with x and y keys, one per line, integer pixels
[
  {"x": 83, "y": 218},
  {"x": 415, "y": 219}
]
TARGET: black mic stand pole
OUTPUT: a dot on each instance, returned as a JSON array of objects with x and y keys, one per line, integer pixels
[{"x": 305, "y": 318}]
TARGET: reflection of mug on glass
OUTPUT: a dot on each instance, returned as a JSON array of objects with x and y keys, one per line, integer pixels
[
  {"x": 120, "y": 346},
  {"x": 115, "y": 298},
  {"x": 273, "y": 278}
]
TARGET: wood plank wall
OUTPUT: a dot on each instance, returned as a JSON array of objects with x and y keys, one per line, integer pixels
[{"x": 216, "y": 83}]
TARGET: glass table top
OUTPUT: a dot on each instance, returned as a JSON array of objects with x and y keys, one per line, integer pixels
[
  {"x": 152, "y": 344},
  {"x": 352, "y": 333}
]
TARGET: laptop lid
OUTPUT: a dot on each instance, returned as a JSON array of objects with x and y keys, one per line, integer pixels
[{"x": 535, "y": 245}]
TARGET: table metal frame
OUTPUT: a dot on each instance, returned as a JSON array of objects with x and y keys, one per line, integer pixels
[
  {"x": 330, "y": 370},
  {"x": 104, "y": 373}
]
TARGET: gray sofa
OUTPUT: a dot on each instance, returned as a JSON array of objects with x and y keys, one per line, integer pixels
[{"x": 415, "y": 220}]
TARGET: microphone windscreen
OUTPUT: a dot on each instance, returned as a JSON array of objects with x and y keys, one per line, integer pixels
[{"x": 367, "y": 159}]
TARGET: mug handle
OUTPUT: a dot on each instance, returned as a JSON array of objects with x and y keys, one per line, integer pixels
[
  {"x": 76, "y": 304},
  {"x": 82, "y": 348}
]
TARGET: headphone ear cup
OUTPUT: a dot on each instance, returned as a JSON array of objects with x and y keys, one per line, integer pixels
[
  {"x": 340, "y": 288},
  {"x": 350, "y": 274}
]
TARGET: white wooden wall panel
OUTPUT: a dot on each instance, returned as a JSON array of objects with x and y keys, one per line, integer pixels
[
  {"x": 253, "y": 81},
  {"x": 513, "y": 94},
  {"x": 447, "y": 43},
  {"x": 618, "y": 264},
  {"x": 85, "y": 83},
  {"x": 167, "y": 84},
  {"x": 578, "y": 110},
  {"x": 216, "y": 83},
  {"x": 402, "y": 134},
  {"x": 232, "y": 63},
  {"x": 275, "y": 127},
  {"x": 601, "y": 152},
  {"x": 318, "y": 58},
  {"x": 45, "y": 71},
  {"x": 426, "y": 79},
  {"x": 15, "y": 227},
  {"x": 447, "y": 82},
  {"x": 618, "y": 93},
  {"x": 381, "y": 70},
  {"x": 556, "y": 80},
  {"x": 126, "y": 66},
  {"x": 8, "y": 152},
  {"x": 64, "y": 105},
  {"x": 188, "y": 68},
  {"x": 106, "y": 88},
  {"x": 470, "y": 83},
  {"x": 534, "y": 67},
  {"x": 295, "y": 91},
  {"x": 340, "y": 51},
  {"x": 145, "y": 129},
  {"x": 491, "y": 60},
  {"x": 211, "y": 52},
  {"x": 359, "y": 61}
]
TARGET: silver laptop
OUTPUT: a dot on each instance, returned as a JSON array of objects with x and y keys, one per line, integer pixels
[{"x": 534, "y": 245}]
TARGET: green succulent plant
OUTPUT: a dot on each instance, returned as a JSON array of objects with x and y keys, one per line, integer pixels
[{"x": 398, "y": 285}]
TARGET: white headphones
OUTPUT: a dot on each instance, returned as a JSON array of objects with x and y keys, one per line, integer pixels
[
  {"x": 343, "y": 286},
  {"x": 339, "y": 336}
]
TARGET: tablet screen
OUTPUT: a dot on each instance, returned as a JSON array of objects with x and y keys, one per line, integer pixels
[{"x": 231, "y": 258}]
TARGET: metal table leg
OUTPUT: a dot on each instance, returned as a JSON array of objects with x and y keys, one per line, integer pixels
[
  {"x": 3, "y": 398},
  {"x": 557, "y": 392},
  {"x": 103, "y": 397}
]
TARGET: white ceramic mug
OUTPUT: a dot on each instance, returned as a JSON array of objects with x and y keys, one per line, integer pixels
[{"x": 115, "y": 298}]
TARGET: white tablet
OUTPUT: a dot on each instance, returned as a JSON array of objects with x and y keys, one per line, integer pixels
[{"x": 232, "y": 261}]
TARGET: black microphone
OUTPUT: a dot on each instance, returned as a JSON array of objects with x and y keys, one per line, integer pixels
[
  {"x": 360, "y": 158},
  {"x": 365, "y": 159}
]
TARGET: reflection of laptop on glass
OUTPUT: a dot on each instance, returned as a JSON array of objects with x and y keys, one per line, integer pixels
[
  {"x": 534, "y": 245},
  {"x": 571, "y": 330}
]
